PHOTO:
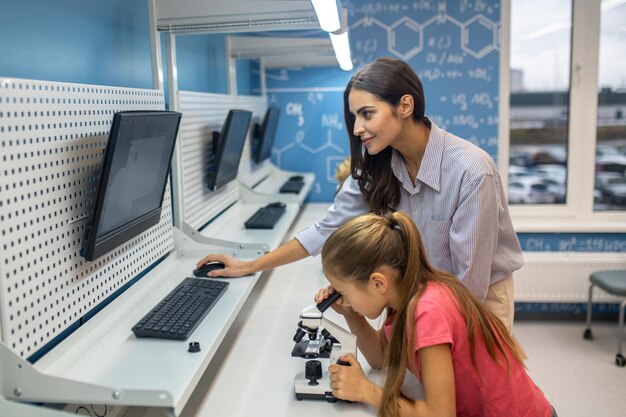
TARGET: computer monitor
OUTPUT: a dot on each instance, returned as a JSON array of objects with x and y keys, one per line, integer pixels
[
  {"x": 227, "y": 148},
  {"x": 133, "y": 179},
  {"x": 266, "y": 134}
]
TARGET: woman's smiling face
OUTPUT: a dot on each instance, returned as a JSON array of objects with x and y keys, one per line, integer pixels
[{"x": 376, "y": 122}]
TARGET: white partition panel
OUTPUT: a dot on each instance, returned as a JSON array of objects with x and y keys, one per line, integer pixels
[
  {"x": 52, "y": 140},
  {"x": 250, "y": 173},
  {"x": 204, "y": 113}
]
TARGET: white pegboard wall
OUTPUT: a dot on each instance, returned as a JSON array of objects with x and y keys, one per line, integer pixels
[
  {"x": 52, "y": 141},
  {"x": 204, "y": 113}
]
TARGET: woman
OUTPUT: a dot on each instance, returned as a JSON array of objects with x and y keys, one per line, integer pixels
[{"x": 402, "y": 161}]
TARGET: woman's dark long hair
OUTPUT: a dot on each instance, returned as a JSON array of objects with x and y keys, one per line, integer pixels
[{"x": 388, "y": 79}]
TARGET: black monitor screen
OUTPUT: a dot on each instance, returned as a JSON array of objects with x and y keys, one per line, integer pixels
[
  {"x": 133, "y": 179},
  {"x": 225, "y": 164},
  {"x": 266, "y": 135}
]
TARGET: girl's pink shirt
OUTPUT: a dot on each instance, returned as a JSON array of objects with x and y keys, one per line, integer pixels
[{"x": 485, "y": 390}]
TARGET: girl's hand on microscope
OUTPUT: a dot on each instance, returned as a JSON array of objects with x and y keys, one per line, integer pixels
[
  {"x": 324, "y": 293},
  {"x": 349, "y": 382}
]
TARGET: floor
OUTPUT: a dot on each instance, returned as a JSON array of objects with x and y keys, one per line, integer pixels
[{"x": 578, "y": 376}]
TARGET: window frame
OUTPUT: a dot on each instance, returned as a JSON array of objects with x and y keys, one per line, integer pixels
[{"x": 577, "y": 213}]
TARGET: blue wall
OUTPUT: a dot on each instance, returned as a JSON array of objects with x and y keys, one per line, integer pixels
[
  {"x": 78, "y": 41},
  {"x": 201, "y": 63},
  {"x": 105, "y": 43},
  {"x": 452, "y": 48}
]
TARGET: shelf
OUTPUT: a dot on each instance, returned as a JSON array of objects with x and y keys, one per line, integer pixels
[
  {"x": 230, "y": 224},
  {"x": 281, "y": 52},
  {"x": 270, "y": 186},
  {"x": 202, "y": 16},
  {"x": 103, "y": 362}
]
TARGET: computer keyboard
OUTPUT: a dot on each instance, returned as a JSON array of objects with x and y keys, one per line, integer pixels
[
  {"x": 292, "y": 186},
  {"x": 266, "y": 217},
  {"x": 180, "y": 312}
]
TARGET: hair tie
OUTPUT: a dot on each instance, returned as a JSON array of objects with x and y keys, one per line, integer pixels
[{"x": 393, "y": 223}]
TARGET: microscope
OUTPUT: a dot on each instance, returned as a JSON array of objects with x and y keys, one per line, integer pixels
[{"x": 325, "y": 339}]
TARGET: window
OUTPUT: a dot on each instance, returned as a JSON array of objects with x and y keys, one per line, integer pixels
[
  {"x": 610, "y": 184},
  {"x": 563, "y": 90},
  {"x": 539, "y": 107}
]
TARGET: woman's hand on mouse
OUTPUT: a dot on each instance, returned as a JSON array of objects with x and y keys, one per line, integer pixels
[{"x": 233, "y": 266}]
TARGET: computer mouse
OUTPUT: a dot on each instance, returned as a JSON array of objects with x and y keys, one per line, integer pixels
[
  {"x": 277, "y": 204},
  {"x": 296, "y": 178},
  {"x": 206, "y": 268}
]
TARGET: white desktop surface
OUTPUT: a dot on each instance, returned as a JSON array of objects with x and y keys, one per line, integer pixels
[
  {"x": 230, "y": 224},
  {"x": 253, "y": 372},
  {"x": 105, "y": 352},
  {"x": 275, "y": 180}
]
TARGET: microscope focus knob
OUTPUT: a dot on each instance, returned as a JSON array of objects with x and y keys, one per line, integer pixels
[{"x": 313, "y": 371}]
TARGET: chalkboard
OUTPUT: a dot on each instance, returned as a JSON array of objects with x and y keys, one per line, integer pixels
[{"x": 452, "y": 45}]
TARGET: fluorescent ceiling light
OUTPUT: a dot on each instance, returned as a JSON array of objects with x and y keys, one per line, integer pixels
[
  {"x": 341, "y": 45},
  {"x": 327, "y": 14}
]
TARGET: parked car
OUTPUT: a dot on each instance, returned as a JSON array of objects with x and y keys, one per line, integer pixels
[
  {"x": 516, "y": 171},
  {"x": 612, "y": 185},
  {"x": 557, "y": 188},
  {"x": 551, "y": 171},
  {"x": 609, "y": 159},
  {"x": 530, "y": 190},
  {"x": 520, "y": 158}
]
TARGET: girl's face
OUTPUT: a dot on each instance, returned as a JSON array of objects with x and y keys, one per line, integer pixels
[
  {"x": 364, "y": 300},
  {"x": 377, "y": 123}
]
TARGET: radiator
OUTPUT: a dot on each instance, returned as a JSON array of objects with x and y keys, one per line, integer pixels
[{"x": 563, "y": 277}]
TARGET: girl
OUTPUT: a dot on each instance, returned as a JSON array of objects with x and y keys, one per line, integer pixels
[
  {"x": 400, "y": 160},
  {"x": 468, "y": 363}
]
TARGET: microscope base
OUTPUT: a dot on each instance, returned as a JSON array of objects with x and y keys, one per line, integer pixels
[{"x": 321, "y": 391}]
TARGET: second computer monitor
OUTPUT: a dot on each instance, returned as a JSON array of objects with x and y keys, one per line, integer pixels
[
  {"x": 266, "y": 135},
  {"x": 227, "y": 154}
]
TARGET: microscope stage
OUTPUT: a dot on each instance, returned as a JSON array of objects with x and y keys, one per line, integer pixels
[{"x": 311, "y": 349}]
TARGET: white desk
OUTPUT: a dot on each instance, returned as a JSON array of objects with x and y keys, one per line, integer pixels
[
  {"x": 230, "y": 224},
  {"x": 104, "y": 352},
  {"x": 250, "y": 370},
  {"x": 252, "y": 373},
  {"x": 270, "y": 186}
]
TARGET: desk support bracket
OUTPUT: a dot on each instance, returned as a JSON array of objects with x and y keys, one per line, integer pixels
[
  {"x": 20, "y": 381},
  {"x": 187, "y": 239}
]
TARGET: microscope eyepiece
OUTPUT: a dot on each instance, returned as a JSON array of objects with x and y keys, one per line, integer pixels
[{"x": 327, "y": 302}]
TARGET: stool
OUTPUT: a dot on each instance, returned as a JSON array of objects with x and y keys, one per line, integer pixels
[{"x": 613, "y": 282}]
